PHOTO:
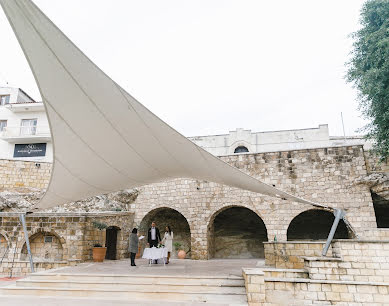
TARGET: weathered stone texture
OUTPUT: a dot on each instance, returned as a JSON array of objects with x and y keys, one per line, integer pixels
[
  {"x": 326, "y": 176},
  {"x": 291, "y": 254},
  {"x": 73, "y": 236},
  {"x": 22, "y": 174},
  {"x": 373, "y": 165}
]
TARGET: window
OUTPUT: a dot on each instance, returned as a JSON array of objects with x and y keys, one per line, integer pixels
[
  {"x": 241, "y": 149},
  {"x": 48, "y": 239},
  {"x": 28, "y": 127},
  {"x": 3, "y": 124},
  {"x": 4, "y": 99}
]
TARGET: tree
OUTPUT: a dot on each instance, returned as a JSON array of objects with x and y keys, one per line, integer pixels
[{"x": 368, "y": 70}]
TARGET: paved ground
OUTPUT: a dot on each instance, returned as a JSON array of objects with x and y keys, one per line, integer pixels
[
  {"x": 47, "y": 301},
  {"x": 6, "y": 281},
  {"x": 175, "y": 267},
  {"x": 222, "y": 267}
]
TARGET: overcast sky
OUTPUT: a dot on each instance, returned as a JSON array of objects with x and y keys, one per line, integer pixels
[{"x": 207, "y": 66}]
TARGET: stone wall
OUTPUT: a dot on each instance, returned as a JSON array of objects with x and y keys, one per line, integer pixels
[
  {"x": 291, "y": 254},
  {"x": 303, "y": 292},
  {"x": 324, "y": 175},
  {"x": 44, "y": 247},
  {"x": 373, "y": 165},
  {"x": 23, "y": 174},
  {"x": 358, "y": 274},
  {"x": 73, "y": 235},
  {"x": 22, "y": 267}
]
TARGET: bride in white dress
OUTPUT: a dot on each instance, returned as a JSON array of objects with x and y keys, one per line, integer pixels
[{"x": 168, "y": 241}]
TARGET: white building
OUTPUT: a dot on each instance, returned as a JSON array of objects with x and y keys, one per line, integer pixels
[
  {"x": 25, "y": 134},
  {"x": 24, "y": 129},
  {"x": 243, "y": 141}
]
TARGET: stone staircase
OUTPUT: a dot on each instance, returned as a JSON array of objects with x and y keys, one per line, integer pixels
[
  {"x": 285, "y": 273},
  {"x": 220, "y": 290}
]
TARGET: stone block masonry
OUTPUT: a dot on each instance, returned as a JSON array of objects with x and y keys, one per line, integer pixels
[
  {"x": 291, "y": 254},
  {"x": 324, "y": 175},
  {"x": 23, "y": 174},
  {"x": 354, "y": 260},
  {"x": 59, "y": 239}
]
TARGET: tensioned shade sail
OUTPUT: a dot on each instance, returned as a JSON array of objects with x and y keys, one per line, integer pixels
[{"x": 104, "y": 140}]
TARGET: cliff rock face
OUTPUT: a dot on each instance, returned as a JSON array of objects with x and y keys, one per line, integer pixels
[
  {"x": 378, "y": 184},
  {"x": 23, "y": 199},
  {"x": 19, "y": 200}
]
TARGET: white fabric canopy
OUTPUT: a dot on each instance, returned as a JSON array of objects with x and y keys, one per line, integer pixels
[{"x": 104, "y": 140}]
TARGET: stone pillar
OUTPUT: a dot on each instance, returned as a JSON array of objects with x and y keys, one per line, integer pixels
[{"x": 254, "y": 280}]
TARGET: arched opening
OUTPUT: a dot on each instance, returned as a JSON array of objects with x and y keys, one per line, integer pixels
[
  {"x": 45, "y": 246},
  {"x": 163, "y": 217},
  {"x": 3, "y": 246},
  {"x": 111, "y": 239},
  {"x": 241, "y": 149},
  {"x": 236, "y": 232},
  {"x": 381, "y": 210},
  {"x": 315, "y": 224}
]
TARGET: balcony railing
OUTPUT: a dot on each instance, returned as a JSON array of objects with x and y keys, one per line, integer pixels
[{"x": 25, "y": 131}]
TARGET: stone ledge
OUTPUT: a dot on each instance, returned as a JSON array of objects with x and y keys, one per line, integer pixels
[
  {"x": 58, "y": 273},
  {"x": 36, "y": 261},
  {"x": 321, "y": 258},
  {"x": 322, "y": 281},
  {"x": 253, "y": 271},
  {"x": 360, "y": 240},
  {"x": 284, "y": 270},
  {"x": 68, "y": 214},
  {"x": 295, "y": 242}
]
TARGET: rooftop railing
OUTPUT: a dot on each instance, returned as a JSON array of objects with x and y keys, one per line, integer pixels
[{"x": 22, "y": 131}]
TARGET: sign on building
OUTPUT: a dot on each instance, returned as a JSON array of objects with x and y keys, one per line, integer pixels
[{"x": 30, "y": 150}]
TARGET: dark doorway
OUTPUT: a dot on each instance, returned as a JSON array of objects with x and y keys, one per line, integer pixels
[
  {"x": 111, "y": 239},
  {"x": 236, "y": 232},
  {"x": 381, "y": 209},
  {"x": 315, "y": 224}
]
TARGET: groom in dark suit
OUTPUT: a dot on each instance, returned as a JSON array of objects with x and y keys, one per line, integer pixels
[{"x": 153, "y": 236}]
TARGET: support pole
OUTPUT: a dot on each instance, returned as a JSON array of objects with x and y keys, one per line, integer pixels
[
  {"x": 22, "y": 218},
  {"x": 339, "y": 214}
]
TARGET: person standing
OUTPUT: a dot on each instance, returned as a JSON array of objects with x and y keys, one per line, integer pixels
[
  {"x": 153, "y": 236},
  {"x": 133, "y": 248},
  {"x": 168, "y": 241}
]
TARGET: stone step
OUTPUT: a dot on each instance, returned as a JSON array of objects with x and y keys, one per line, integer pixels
[
  {"x": 153, "y": 294},
  {"x": 285, "y": 273},
  {"x": 29, "y": 300},
  {"x": 144, "y": 279},
  {"x": 133, "y": 286}
]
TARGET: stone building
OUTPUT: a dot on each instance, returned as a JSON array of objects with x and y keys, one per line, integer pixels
[{"x": 208, "y": 219}]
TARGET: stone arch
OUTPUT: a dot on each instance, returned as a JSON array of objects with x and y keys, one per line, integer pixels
[
  {"x": 4, "y": 244},
  {"x": 44, "y": 251},
  {"x": 164, "y": 216},
  {"x": 315, "y": 224},
  {"x": 236, "y": 231}
]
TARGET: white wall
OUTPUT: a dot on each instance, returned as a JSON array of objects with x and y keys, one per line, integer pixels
[
  {"x": 14, "y": 121},
  {"x": 272, "y": 141}
]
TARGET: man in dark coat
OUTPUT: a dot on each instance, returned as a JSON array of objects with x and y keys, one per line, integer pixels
[{"x": 153, "y": 236}]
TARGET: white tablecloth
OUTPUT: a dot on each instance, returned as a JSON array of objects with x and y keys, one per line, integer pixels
[{"x": 154, "y": 253}]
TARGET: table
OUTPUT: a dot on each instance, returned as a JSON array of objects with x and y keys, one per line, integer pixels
[{"x": 155, "y": 254}]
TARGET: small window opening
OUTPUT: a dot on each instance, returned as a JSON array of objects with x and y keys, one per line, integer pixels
[
  {"x": 241, "y": 149},
  {"x": 48, "y": 239}
]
